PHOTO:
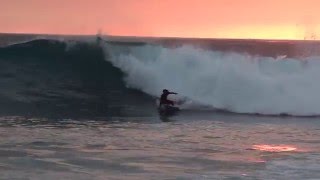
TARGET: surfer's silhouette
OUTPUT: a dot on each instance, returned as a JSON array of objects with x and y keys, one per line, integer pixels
[{"x": 164, "y": 98}]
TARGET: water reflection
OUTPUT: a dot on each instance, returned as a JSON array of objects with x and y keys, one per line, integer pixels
[
  {"x": 219, "y": 147},
  {"x": 274, "y": 148}
]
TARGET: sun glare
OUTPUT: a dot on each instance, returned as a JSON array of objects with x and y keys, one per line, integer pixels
[{"x": 274, "y": 148}]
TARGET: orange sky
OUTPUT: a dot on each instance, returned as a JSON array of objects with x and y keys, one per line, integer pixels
[{"x": 267, "y": 19}]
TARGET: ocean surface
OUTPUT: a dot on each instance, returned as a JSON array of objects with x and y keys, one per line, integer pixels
[{"x": 82, "y": 107}]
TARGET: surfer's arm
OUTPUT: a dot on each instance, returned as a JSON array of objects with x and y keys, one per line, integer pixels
[{"x": 172, "y": 93}]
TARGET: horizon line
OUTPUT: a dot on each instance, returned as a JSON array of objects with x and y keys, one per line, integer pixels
[{"x": 164, "y": 37}]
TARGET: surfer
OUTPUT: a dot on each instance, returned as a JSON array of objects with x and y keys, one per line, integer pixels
[{"x": 164, "y": 98}]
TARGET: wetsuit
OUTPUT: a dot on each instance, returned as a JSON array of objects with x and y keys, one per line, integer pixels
[{"x": 164, "y": 100}]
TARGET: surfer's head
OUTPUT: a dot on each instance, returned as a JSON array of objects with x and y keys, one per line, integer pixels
[{"x": 165, "y": 91}]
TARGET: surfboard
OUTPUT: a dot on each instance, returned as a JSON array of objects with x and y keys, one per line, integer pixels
[{"x": 168, "y": 110}]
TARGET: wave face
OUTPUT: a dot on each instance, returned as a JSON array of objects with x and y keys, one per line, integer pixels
[
  {"x": 235, "y": 82},
  {"x": 63, "y": 79}
]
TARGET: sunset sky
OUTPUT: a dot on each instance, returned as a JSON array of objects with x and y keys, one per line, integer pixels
[{"x": 264, "y": 19}]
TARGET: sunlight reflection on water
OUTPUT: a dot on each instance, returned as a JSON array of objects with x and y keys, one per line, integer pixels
[{"x": 274, "y": 148}]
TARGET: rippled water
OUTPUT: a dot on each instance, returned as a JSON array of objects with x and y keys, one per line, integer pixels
[{"x": 188, "y": 146}]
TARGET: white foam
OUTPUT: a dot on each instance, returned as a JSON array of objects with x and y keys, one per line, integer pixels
[{"x": 231, "y": 81}]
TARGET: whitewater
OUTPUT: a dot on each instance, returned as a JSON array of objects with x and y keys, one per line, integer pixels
[{"x": 231, "y": 81}]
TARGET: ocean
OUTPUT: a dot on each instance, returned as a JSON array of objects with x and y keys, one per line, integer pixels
[{"x": 82, "y": 107}]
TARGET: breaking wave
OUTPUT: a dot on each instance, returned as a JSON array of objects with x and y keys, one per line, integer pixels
[
  {"x": 46, "y": 76},
  {"x": 230, "y": 81}
]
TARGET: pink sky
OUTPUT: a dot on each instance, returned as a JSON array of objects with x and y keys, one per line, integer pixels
[{"x": 274, "y": 19}]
